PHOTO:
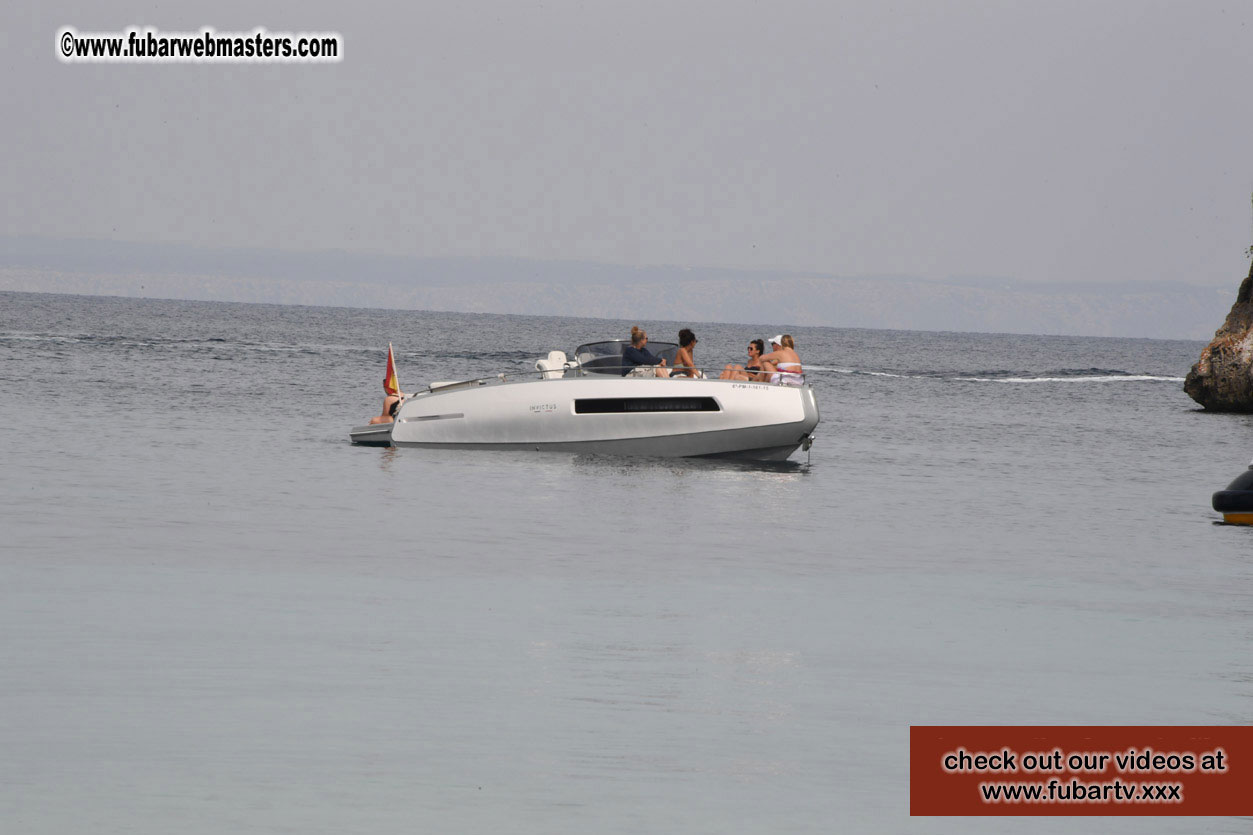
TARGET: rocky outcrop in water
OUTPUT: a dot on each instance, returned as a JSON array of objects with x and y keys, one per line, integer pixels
[{"x": 1222, "y": 379}]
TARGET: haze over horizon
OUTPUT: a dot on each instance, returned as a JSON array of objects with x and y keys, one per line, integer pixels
[
  {"x": 691, "y": 295},
  {"x": 1068, "y": 144}
]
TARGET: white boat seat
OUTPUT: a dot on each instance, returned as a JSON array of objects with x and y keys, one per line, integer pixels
[{"x": 553, "y": 365}]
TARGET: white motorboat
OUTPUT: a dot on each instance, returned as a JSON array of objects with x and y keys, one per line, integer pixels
[{"x": 586, "y": 404}]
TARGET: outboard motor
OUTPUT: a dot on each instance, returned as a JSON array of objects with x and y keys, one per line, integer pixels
[{"x": 1236, "y": 502}]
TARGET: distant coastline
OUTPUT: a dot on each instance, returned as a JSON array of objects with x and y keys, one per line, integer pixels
[{"x": 1160, "y": 310}]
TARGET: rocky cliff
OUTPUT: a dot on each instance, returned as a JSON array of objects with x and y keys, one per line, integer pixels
[{"x": 1222, "y": 379}]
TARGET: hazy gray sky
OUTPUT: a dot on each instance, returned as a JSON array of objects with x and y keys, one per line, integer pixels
[{"x": 1040, "y": 141}]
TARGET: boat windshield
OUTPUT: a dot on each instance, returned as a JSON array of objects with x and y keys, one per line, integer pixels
[{"x": 606, "y": 357}]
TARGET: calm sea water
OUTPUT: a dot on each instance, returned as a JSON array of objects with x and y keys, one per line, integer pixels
[{"x": 217, "y": 615}]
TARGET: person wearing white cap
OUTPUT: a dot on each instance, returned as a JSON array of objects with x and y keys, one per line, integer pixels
[{"x": 782, "y": 363}]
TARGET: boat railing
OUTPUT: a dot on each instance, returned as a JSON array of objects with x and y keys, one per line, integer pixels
[
  {"x": 676, "y": 374},
  {"x": 556, "y": 373}
]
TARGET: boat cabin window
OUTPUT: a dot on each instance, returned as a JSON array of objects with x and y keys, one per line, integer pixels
[
  {"x": 623, "y": 405},
  {"x": 606, "y": 357}
]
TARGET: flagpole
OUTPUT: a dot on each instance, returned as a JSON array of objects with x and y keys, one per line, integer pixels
[{"x": 391, "y": 357}]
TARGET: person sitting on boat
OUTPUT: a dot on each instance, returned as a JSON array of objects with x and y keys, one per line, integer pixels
[
  {"x": 782, "y": 364},
  {"x": 638, "y": 361},
  {"x": 750, "y": 371},
  {"x": 391, "y": 405},
  {"x": 684, "y": 364},
  {"x": 392, "y": 395}
]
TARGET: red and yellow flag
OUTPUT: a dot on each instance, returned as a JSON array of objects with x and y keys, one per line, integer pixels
[{"x": 390, "y": 384}]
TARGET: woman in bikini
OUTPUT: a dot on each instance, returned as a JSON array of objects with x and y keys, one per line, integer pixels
[
  {"x": 782, "y": 364},
  {"x": 684, "y": 364},
  {"x": 391, "y": 405},
  {"x": 751, "y": 371}
]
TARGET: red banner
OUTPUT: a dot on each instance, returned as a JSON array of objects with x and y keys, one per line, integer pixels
[
  {"x": 1080, "y": 770},
  {"x": 390, "y": 384}
]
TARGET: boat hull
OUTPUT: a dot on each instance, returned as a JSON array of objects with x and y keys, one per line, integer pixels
[{"x": 616, "y": 416}]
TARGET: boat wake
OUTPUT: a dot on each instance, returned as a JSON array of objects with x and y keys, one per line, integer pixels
[
  {"x": 1100, "y": 378},
  {"x": 1085, "y": 375}
]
